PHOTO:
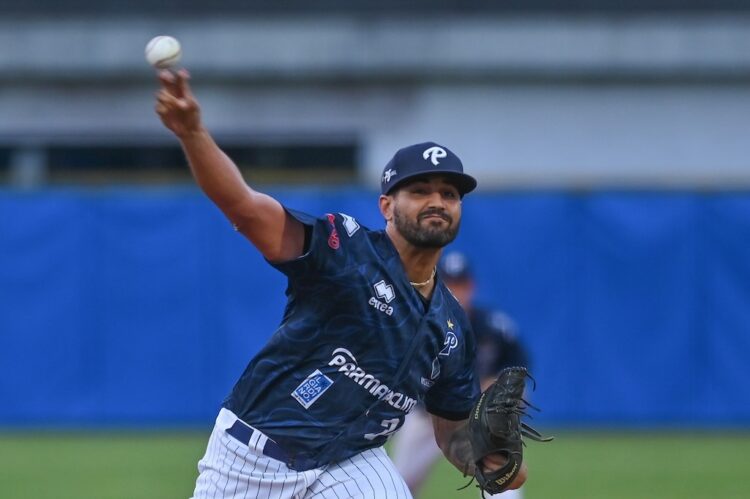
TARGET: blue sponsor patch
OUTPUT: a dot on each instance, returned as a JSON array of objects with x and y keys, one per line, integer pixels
[{"x": 312, "y": 388}]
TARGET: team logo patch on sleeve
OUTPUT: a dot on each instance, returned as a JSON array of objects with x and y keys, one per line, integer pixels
[
  {"x": 333, "y": 239},
  {"x": 350, "y": 224},
  {"x": 312, "y": 388}
]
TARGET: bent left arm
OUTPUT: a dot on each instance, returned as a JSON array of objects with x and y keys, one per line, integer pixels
[{"x": 453, "y": 439}]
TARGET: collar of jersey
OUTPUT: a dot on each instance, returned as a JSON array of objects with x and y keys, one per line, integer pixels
[{"x": 384, "y": 246}]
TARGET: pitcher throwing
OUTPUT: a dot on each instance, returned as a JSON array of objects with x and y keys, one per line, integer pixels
[{"x": 367, "y": 332}]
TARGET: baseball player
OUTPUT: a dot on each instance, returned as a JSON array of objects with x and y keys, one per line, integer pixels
[
  {"x": 414, "y": 450},
  {"x": 368, "y": 332}
]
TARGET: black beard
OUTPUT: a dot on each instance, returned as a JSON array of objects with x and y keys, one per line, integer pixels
[{"x": 428, "y": 236}]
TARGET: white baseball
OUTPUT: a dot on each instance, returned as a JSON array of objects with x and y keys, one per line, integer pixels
[{"x": 163, "y": 52}]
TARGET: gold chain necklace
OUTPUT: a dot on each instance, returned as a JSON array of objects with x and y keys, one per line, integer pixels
[{"x": 425, "y": 283}]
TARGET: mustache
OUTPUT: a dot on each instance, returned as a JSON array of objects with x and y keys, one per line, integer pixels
[{"x": 432, "y": 212}]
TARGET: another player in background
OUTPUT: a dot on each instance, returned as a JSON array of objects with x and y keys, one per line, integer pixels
[
  {"x": 414, "y": 450},
  {"x": 368, "y": 330}
]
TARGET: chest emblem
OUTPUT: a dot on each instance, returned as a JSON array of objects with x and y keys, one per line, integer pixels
[
  {"x": 384, "y": 291},
  {"x": 384, "y": 294},
  {"x": 451, "y": 342}
]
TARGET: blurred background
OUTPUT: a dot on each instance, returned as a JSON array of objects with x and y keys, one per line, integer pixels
[{"x": 612, "y": 221}]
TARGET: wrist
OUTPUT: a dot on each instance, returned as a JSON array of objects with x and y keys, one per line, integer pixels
[{"x": 196, "y": 133}]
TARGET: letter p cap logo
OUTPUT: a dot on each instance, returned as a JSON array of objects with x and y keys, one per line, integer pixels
[{"x": 434, "y": 154}]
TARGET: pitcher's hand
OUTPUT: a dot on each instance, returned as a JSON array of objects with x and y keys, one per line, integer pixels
[{"x": 176, "y": 105}]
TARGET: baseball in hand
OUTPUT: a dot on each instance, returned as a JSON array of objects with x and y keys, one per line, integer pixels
[{"x": 163, "y": 52}]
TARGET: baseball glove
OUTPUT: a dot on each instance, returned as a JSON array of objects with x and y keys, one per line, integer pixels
[{"x": 495, "y": 427}]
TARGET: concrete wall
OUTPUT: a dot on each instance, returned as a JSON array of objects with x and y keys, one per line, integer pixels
[{"x": 529, "y": 101}]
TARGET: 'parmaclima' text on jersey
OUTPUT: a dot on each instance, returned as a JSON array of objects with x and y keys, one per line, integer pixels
[{"x": 356, "y": 350}]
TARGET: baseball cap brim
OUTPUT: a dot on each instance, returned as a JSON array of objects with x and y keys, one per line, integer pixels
[{"x": 464, "y": 183}]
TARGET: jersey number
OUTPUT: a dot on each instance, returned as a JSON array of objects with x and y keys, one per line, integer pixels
[{"x": 390, "y": 426}]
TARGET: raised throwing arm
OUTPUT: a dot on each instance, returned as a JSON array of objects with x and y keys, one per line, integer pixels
[{"x": 257, "y": 216}]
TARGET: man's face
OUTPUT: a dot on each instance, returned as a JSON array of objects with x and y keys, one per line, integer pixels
[{"x": 427, "y": 211}]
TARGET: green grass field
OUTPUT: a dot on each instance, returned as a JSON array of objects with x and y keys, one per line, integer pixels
[{"x": 584, "y": 465}]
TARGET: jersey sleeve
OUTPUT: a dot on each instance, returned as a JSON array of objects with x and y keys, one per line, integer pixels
[
  {"x": 455, "y": 393},
  {"x": 323, "y": 248}
]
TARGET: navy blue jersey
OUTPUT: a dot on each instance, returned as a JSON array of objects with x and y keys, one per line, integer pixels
[
  {"x": 356, "y": 350},
  {"x": 497, "y": 342}
]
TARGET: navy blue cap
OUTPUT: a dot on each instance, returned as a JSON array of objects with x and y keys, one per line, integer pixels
[
  {"x": 454, "y": 266},
  {"x": 426, "y": 158}
]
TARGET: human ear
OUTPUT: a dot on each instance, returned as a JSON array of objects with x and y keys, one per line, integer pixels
[{"x": 386, "y": 207}]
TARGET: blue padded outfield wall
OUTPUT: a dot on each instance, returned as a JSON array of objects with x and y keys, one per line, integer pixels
[{"x": 142, "y": 306}]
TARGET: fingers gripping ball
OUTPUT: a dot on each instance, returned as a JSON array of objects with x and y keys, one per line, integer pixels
[
  {"x": 495, "y": 427},
  {"x": 163, "y": 52}
]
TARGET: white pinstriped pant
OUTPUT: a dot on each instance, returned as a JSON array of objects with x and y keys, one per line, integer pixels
[{"x": 233, "y": 470}]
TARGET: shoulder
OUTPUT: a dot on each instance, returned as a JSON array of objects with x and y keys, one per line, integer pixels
[
  {"x": 345, "y": 225},
  {"x": 454, "y": 309},
  {"x": 337, "y": 228},
  {"x": 347, "y": 236},
  {"x": 451, "y": 302},
  {"x": 333, "y": 242},
  {"x": 450, "y": 299}
]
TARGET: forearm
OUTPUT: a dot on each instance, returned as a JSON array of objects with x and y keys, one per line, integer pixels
[
  {"x": 457, "y": 449},
  {"x": 259, "y": 217},
  {"x": 214, "y": 171},
  {"x": 453, "y": 439}
]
